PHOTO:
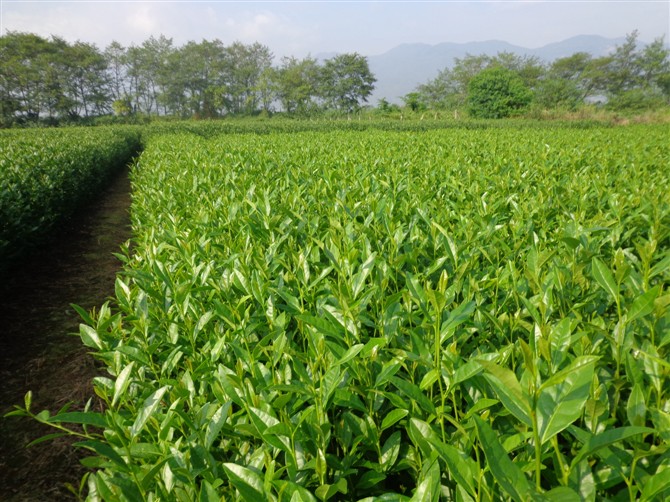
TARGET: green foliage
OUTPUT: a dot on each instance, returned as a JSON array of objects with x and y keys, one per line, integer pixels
[
  {"x": 460, "y": 314},
  {"x": 346, "y": 82},
  {"x": 298, "y": 85},
  {"x": 449, "y": 90},
  {"x": 558, "y": 93},
  {"x": 46, "y": 174},
  {"x": 414, "y": 102},
  {"x": 52, "y": 81},
  {"x": 497, "y": 93},
  {"x": 632, "y": 78}
]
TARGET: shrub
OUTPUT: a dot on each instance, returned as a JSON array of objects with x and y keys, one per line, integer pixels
[{"x": 497, "y": 93}]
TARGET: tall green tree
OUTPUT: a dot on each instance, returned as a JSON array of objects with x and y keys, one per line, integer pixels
[
  {"x": 346, "y": 82},
  {"x": 634, "y": 77},
  {"x": 115, "y": 54},
  {"x": 244, "y": 65},
  {"x": 444, "y": 92},
  {"x": 23, "y": 58},
  {"x": 87, "y": 79},
  {"x": 197, "y": 74},
  {"x": 298, "y": 84},
  {"x": 567, "y": 82}
]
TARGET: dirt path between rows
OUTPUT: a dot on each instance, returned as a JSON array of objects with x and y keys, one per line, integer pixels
[{"x": 37, "y": 349}]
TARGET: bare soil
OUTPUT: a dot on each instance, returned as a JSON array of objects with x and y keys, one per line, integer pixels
[{"x": 39, "y": 347}]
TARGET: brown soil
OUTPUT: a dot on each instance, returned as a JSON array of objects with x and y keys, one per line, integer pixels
[{"x": 38, "y": 351}]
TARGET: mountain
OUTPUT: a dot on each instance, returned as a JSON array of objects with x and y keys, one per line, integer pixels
[{"x": 401, "y": 69}]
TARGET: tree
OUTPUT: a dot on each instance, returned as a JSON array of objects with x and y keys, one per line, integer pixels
[
  {"x": 497, "y": 93},
  {"x": 298, "y": 84},
  {"x": 529, "y": 68},
  {"x": 414, "y": 102},
  {"x": 115, "y": 54},
  {"x": 197, "y": 77},
  {"x": 449, "y": 90},
  {"x": 86, "y": 70},
  {"x": 23, "y": 70},
  {"x": 654, "y": 64},
  {"x": 444, "y": 92},
  {"x": 243, "y": 67},
  {"x": 267, "y": 88},
  {"x": 635, "y": 79},
  {"x": 567, "y": 82},
  {"x": 346, "y": 80},
  {"x": 385, "y": 107}
]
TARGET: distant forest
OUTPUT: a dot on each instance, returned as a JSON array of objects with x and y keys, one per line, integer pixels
[{"x": 51, "y": 80}]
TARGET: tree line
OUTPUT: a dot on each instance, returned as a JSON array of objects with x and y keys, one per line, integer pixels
[
  {"x": 51, "y": 79},
  {"x": 632, "y": 77}
]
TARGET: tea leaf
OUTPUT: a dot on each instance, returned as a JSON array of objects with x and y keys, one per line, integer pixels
[
  {"x": 248, "y": 482},
  {"x": 506, "y": 472},
  {"x": 643, "y": 304},
  {"x": 563, "y": 396},
  {"x": 148, "y": 408},
  {"x": 508, "y": 389},
  {"x": 604, "y": 277}
]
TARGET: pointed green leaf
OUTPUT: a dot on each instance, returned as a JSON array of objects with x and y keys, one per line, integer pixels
[
  {"x": 293, "y": 491},
  {"x": 215, "y": 424},
  {"x": 122, "y": 382},
  {"x": 416, "y": 291},
  {"x": 559, "y": 340},
  {"x": 106, "y": 451},
  {"x": 370, "y": 479},
  {"x": 208, "y": 493},
  {"x": 390, "y": 451},
  {"x": 393, "y": 417},
  {"x": 604, "y": 277},
  {"x": 414, "y": 393},
  {"x": 248, "y": 482},
  {"x": 657, "y": 487},
  {"x": 561, "y": 494},
  {"x": 643, "y": 304},
  {"x": 607, "y": 438},
  {"x": 322, "y": 325},
  {"x": 350, "y": 354},
  {"x": 149, "y": 407},
  {"x": 456, "y": 317},
  {"x": 363, "y": 272},
  {"x": 661, "y": 421},
  {"x": 89, "y": 337},
  {"x": 428, "y": 489},
  {"x": 506, "y": 473},
  {"x": 48, "y": 437},
  {"x": 563, "y": 396},
  {"x": 80, "y": 417},
  {"x": 636, "y": 408},
  {"x": 508, "y": 390}
]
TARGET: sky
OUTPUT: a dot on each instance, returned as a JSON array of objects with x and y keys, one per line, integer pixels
[{"x": 307, "y": 27}]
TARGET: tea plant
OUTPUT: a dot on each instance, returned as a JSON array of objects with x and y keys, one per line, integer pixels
[
  {"x": 46, "y": 174},
  {"x": 377, "y": 315}
]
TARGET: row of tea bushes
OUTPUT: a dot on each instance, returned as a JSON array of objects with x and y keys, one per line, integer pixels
[{"x": 45, "y": 174}]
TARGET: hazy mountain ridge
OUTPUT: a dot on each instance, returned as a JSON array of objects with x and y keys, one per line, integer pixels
[{"x": 402, "y": 68}]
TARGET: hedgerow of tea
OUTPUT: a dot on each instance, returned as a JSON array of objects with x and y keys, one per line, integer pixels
[
  {"x": 377, "y": 315},
  {"x": 45, "y": 174}
]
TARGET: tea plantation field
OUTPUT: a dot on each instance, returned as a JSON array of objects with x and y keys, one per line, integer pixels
[{"x": 469, "y": 314}]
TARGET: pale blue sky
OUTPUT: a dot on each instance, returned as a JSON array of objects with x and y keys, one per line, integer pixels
[{"x": 312, "y": 27}]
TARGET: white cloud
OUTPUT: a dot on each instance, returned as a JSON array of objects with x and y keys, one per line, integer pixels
[
  {"x": 143, "y": 20},
  {"x": 316, "y": 27}
]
